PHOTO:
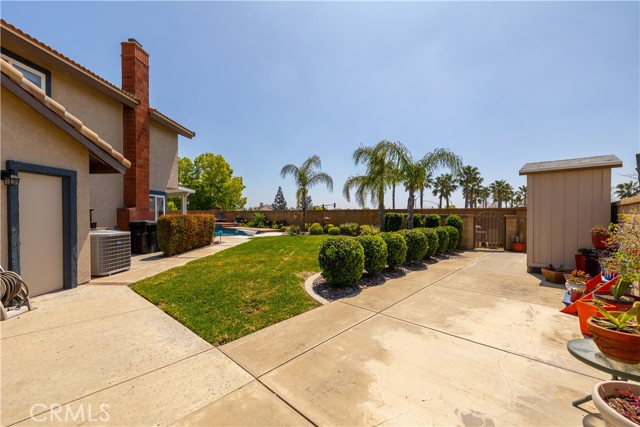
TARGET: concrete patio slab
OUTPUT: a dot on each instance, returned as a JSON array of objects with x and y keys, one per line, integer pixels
[
  {"x": 388, "y": 372},
  {"x": 82, "y": 304},
  {"x": 159, "y": 397},
  {"x": 66, "y": 363},
  {"x": 378, "y": 298},
  {"x": 532, "y": 330},
  {"x": 271, "y": 347},
  {"x": 251, "y": 405}
]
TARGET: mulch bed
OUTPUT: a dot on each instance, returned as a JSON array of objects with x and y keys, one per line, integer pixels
[{"x": 332, "y": 293}]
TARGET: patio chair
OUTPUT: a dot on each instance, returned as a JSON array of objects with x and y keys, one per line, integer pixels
[{"x": 14, "y": 295}]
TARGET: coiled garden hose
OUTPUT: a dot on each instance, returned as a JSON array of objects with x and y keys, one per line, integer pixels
[{"x": 13, "y": 290}]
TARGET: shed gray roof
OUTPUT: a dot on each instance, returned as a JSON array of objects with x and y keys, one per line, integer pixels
[{"x": 597, "y": 162}]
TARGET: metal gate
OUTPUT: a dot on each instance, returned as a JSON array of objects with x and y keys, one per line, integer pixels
[{"x": 489, "y": 231}]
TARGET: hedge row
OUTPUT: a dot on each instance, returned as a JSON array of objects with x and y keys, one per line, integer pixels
[
  {"x": 343, "y": 259},
  {"x": 176, "y": 234}
]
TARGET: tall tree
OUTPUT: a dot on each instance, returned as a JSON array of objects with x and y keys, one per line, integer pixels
[
  {"x": 500, "y": 191},
  {"x": 443, "y": 186},
  {"x": 305, "y": 176},
  {"x": 413, "y": 174},
  {"x": 428, "y": 182},
  {"x": 212, "y": 178},
  {"x": 308, "y": 203},
  {"x": 482, "y": 196},
  {"x": 627, "y": 189},
  {"x": 469, "y": 181},
  {"x": 520, "y": 196},
  {"x": 379, "y": 162},
  {"x": 279, "y": 203}
]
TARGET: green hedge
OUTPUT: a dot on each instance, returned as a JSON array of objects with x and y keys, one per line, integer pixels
[
  {"x": 432, "y": 240},
  {"x": 181, "y": 233},
  {"x": 349, "y": 229},
  {"x": 316, "y": 229},
  {"x": 416, "y": 244},
  {"x": 333, "y": 231},
  {"x": 396, "y": 248},
  {"x": 458, "y": 223},
  {"x": 443, "y": 239},
  {"x": 432, "y": 221},
  {"x": 453, "y": 237},
  {"x": 341, "y": 260},
  {"x": 375, "y": 252},
  {"x": 418, "y": 220},
  {"x": 392, "y": 222}
]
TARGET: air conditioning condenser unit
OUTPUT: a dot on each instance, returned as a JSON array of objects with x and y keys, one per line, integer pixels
[{"x": 110, "y": 252}]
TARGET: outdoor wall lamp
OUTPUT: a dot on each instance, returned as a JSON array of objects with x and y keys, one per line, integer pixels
[{"x": 10, "y": 178}]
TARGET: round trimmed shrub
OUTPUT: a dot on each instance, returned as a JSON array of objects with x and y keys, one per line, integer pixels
[
  {"x": 375, "y": 252},
  {"x": 432, "y": 240},
  {"x": 369, "y": 230},
  {"x": 432, "y": 221},
  {"x": 396, "y": 248},
  {"x": 316, "y": 229},
  {"x": 453, "y": 237},
  {"x": 334, "y": 231},
  {"x": 392, "y": 222},
  {"x": 443, "y": 239},
  {"x": 418, "y": 220},
  {"x": 416, "y": 244},
  {"x": 341, "y": 260},
  {"x": 458, "y": 223},
  {"x": 327, "y": 227},
  {"x": 349, "y": 229}
]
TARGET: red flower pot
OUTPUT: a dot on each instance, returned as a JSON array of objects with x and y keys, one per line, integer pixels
[
  {"x": 586, "y": 310},
  {"x": 599, "y": 242},
  {"x": 619, "y": 346}
]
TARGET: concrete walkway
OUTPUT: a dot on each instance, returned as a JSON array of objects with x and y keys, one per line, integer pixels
[{"x": 471, "y": 341}]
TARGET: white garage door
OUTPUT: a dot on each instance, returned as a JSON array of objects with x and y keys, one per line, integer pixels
[{"x": 41, "y": 232}]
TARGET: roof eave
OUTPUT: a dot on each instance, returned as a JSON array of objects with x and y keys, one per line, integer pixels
[
  {"x": 605, "y": 162},
  {"x": 176, "y": 127}
]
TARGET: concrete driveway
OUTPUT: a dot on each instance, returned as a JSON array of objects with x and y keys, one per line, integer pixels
[{"x": 471, "y": 341}]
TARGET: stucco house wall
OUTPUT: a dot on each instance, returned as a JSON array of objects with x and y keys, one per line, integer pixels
[
  {"x": 163, "y": 158},
  {"x": 29, "y": 137}
]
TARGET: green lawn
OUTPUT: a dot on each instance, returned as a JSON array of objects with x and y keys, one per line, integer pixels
[{"x": 240, "y": 290}]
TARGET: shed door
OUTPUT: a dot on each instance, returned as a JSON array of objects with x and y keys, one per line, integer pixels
[{"x": 41, "y": 230}]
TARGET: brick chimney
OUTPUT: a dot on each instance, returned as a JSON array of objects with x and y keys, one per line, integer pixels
[{"x": 135, "y": 79}]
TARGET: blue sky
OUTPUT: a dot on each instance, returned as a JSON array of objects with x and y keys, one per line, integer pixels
[{"x": 269, "y": 83}]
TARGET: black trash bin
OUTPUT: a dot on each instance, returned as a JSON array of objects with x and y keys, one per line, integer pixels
[{"x": 143, "y": 236}]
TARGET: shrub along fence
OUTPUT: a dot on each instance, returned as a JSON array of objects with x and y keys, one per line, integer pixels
[
  {"x": 181, "y": 233},
  {"x": 515, "y": 218}
]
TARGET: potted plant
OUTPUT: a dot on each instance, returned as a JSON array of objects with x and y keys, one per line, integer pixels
[
  {"x": 625, "y": 237},
  {"x": 576, "y": 279},
  {"x": 581, "y": 258},
  {"x": 617, "y": 334},
  {"x": 588, "y": 308},
  {"x": 599, "y": 237},
  {"x": 576, "y": 293},
  {"x": 553, "y": 274},
  {"x": 618, "y": 402}
]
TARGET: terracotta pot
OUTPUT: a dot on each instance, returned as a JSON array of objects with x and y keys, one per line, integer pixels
[
  {"x": 618, "y": 346},
  {"x": 599, "y": 242},
  {"x": 621, "y": 305},
  {"x": 553, "y": 276},
  {"x": 518, "y": 247},
  {"x": 586, "y": 310},
  {"x": 612, "y": 418}
]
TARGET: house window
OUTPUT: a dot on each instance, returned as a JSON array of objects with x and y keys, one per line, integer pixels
[
  {"x": 35, "y": 74},
  {"x": 157, "y": 205}
]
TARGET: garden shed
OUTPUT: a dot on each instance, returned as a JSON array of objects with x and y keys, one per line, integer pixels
[{"x": 565, "y": 199}]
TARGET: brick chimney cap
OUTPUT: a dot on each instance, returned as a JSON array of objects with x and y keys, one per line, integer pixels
[{"x": 131, "y": 39}]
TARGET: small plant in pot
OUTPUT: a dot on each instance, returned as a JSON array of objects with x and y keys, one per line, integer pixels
[
  {"x": 554, "y": 274},
  {"x": 600, "y": 237},
  {"x": 576, "y": 279},
  {"x": 581, "y": 258},
  {"x": 618, "y": 402},
  {"x": 617, "y": 334},
  {"x": 588, "y": 308}
]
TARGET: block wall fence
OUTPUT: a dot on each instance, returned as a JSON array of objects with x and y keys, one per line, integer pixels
[{"x": 515, "y": 218}]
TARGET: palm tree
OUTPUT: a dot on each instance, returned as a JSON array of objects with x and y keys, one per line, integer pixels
[
  {"x": 482, "y": 196},
  {"x": 428, "y": 182},
  {"x": 520, "y": 196},
  {"x": 379, "y": 162},
  {"x": 306, "y": 176},
  {"x": 413, "y": 174},
  {"x": 627, "y": 189},
  {"x": 443, "y": 187},
  {"x": 500, "y": 191},
  {"x": 469, "y": 181}
]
